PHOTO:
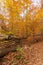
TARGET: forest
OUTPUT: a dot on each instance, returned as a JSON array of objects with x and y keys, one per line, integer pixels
[{"x": 21, "y": 32}]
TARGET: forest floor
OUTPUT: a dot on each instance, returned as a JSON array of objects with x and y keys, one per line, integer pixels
[{"x": 25, "y": 55}]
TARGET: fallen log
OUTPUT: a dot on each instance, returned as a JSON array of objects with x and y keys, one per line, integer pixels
[
  {"x": 8, "y": 49},
  {"x": 5, "y": 51}
]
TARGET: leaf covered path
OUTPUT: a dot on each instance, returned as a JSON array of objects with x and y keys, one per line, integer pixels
[{"x": 32, "y": 55}]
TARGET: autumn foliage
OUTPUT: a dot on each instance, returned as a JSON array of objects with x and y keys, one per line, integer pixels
[{"x": 21, "y": 18}]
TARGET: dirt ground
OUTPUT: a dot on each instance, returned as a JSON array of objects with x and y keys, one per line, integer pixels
[{"x": 27, "y": 55}]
